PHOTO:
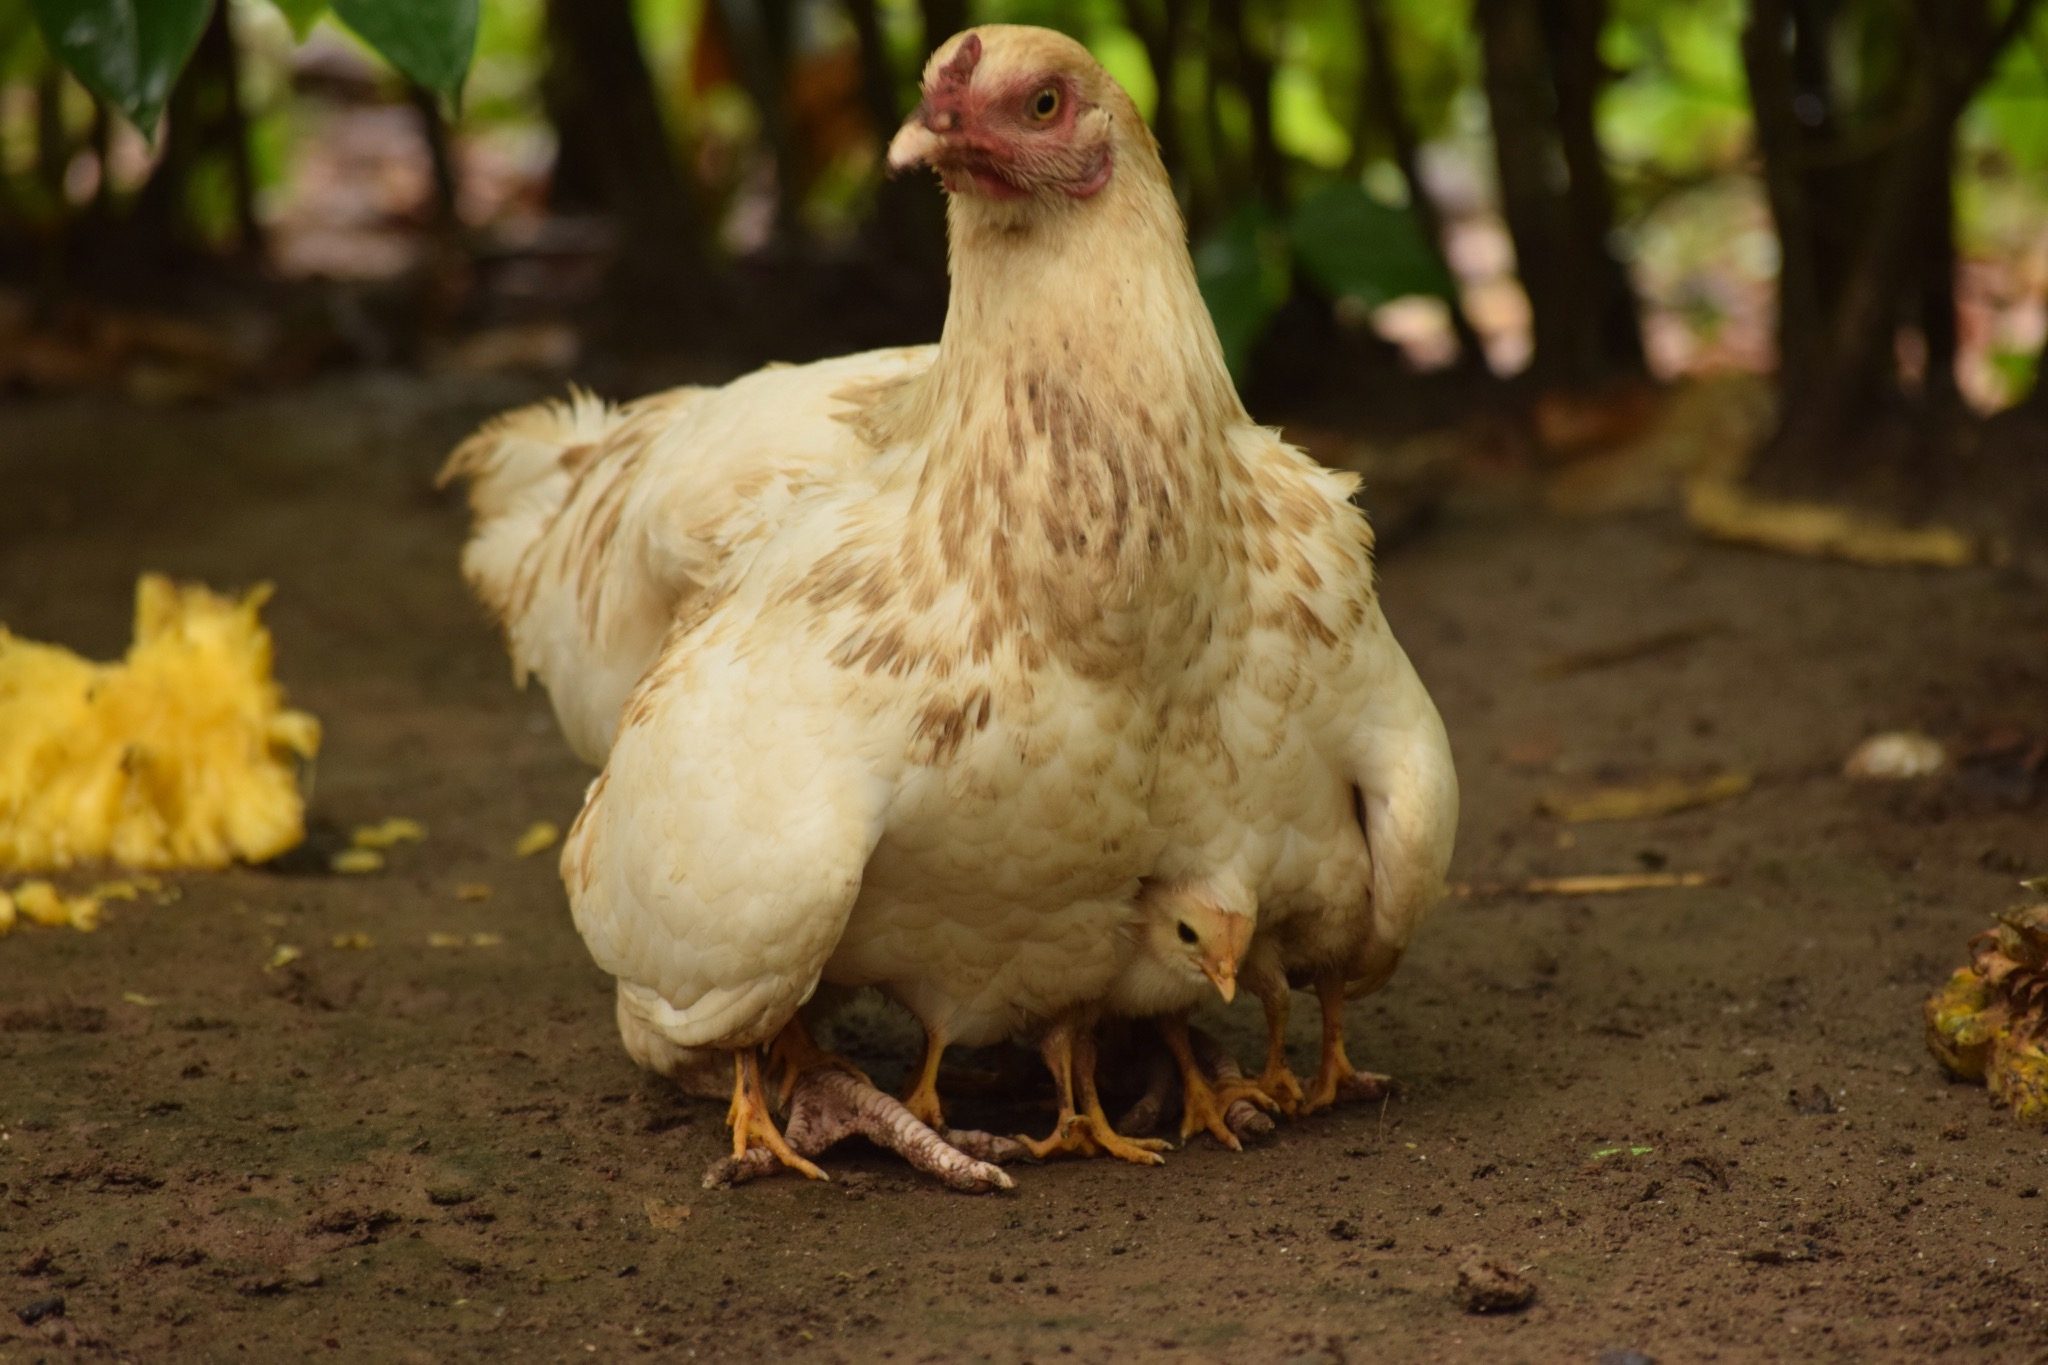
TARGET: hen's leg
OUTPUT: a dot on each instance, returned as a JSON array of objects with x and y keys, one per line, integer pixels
[
  {"x": 829, "y": 1103},
  {"x": 1336, "y": 1078},
  {"x": 751, "y": 1120},
  {"x": 1200, "y": 1109},
  {"x": 923, "y": 1099},
  {"x": 1083, "y": 1129},
  {"x": 1277, "y": 1083}
]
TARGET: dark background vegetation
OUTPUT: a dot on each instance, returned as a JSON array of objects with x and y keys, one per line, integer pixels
[{"x": 1531, "y": 200}]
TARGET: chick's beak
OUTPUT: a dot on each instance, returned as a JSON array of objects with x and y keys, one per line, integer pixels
[{"x": 1223, "y": 974}]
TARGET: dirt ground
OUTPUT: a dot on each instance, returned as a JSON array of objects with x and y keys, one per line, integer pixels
[{"x": 1702, "y": 1123}]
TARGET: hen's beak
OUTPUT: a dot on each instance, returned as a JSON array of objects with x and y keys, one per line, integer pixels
[
  {"x": 1223, "y": 975},
  {"x": 914, "y": 145}
]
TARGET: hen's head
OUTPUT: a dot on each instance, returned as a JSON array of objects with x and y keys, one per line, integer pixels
[{"x": 1020, "y": 116}]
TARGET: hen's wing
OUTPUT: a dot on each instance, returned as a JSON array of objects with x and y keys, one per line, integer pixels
[
  {"x": 721, "y": 849},
  {"x": 594, "y": 525}
]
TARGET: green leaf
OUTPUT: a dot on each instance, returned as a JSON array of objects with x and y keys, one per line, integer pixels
[
  {"x": 1242, "y": 271},
  {"x": 1353, "y": 245},
  {"x": 128, "y": 52},
  {"x": 431, "y": 41},
  {"x": 301, "y": 15}
]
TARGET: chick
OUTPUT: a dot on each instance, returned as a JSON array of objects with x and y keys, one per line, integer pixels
[
  {"x": 180, "y": 756},
  {"x": 1191, "y": 935}
]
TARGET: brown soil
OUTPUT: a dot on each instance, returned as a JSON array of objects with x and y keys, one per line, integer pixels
[{"x": 1702, "y": 1124}]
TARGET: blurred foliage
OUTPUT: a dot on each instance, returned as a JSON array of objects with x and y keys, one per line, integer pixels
[
  {"x": 1294, "y": 166},
  {"x": 130, "y": 52}
]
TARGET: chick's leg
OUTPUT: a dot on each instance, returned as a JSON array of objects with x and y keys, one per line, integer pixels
[
  {"x": 1277, "y": 1081},
  {"x": 1336, "y": 1078},
  {"x": 1200, "y": 1109},
  {"x": 1083, "y": 1129},
  {"x": 751, "y": 1120},
  {"x": 923, "y": 1099}
]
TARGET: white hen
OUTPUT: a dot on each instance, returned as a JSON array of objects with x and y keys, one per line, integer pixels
[{"x": 907, "y": 668}]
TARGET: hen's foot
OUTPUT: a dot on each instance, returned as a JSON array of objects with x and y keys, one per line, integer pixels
[
  {"x": 829, "y": 1104},
  {"x": 1245, "y": 1119},
  {"x": 1345, "y": 1082},
  {"x": 1336, "y": 1078},
  {"x": 1275, "y": 1090},
  {"x": 1086, "y": 1135},
  {"x": 1201, "y": 1106},
  {"x": 753, "y": 1123}
]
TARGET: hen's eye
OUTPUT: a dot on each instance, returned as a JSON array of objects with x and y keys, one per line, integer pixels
[
  {"x": 1045, "y": 104},
  {"x": 1187, "y": 934}
]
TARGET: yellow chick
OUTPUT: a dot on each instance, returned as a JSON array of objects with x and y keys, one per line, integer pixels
[{"x": 180, "y": 756}]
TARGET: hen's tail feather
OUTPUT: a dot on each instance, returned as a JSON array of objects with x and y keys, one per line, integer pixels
[{"x": 519, "y": 468}]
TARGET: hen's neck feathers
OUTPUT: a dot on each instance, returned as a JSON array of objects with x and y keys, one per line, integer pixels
[{"x": 1073, "y": 437}]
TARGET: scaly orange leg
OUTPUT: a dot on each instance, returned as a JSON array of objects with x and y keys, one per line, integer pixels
[
  {"x": 1069, "y": 1053},
  {"x": 1336, "y": 1075},
  {"x": 1200, "y": 1109},
  {"x": 795, "y": 1052},
  {"x": 1277, "y": 1082},
  {"x": 750, "y": 1117},
  {"x": 923, "y": 1099}
]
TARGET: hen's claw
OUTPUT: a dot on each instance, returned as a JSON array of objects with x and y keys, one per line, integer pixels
[
  {"x": 1336, "y": 1078},
  {"x": 753, "y": 1124},
  {"x": 828, "y": 1104},
  {"x": 1082, "y": 1134},
  {"x": 1246, "y": 1120}
]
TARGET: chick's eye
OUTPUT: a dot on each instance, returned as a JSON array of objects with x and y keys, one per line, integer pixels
[
  {"x": 1045, "y": 104},
  {"x": 1187, "y": 934}
]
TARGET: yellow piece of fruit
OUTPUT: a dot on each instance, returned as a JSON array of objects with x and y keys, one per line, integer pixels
[
  {"x": 397, "y": 830},
  {"x": 2018, "y": 1077},
  {"x": 357, "y": 860},
  {"x": 540, "y": 835},
  {"x": 354, "y": 940},
  {"x": 138, "y": 998},
  {"x": 473, "y": 891},
  {"x": 180, "y": 755},
  {"x": 116, "y": 891},
  {"x": 39, "y": 903},
  {"x": 486, "y": 940},
  {"x": 441, "y": 940},
  {"x": 284, "y": 956}
]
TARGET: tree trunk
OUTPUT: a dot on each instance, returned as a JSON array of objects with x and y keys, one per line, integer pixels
[
  {"x": 1511, "y": 41},
  {"x": 1851, "y": 368},
  {"x": 204, "y": 122},
  {"x": 614, "y": 150},
  {"x": 1383, "y": 101},
  {"x": 1615, "y": 334}
]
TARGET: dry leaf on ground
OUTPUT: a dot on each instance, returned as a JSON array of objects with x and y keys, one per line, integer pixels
[{"x": 1662, "y": 797}]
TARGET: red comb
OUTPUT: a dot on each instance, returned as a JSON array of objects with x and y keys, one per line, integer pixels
[{"x": 954, "y": 75}]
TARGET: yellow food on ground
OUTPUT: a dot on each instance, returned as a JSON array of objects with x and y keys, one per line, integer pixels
[
  {"x": 40, "y": 903},
  {"x": 473, "y": 891},
  {"x": 8, "y": 913},
  {"x": 446, "y": 940},
  {"x": 540, "y": 835},
  {"x": 358, "y": 939},
  {"x": 397, "y": 830},
  {"x": 285, "y": 955},
  {"x": 486, "y": 940},
  {"x": 357, "y": 860},
  {"x": 181, "y": 755}
]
